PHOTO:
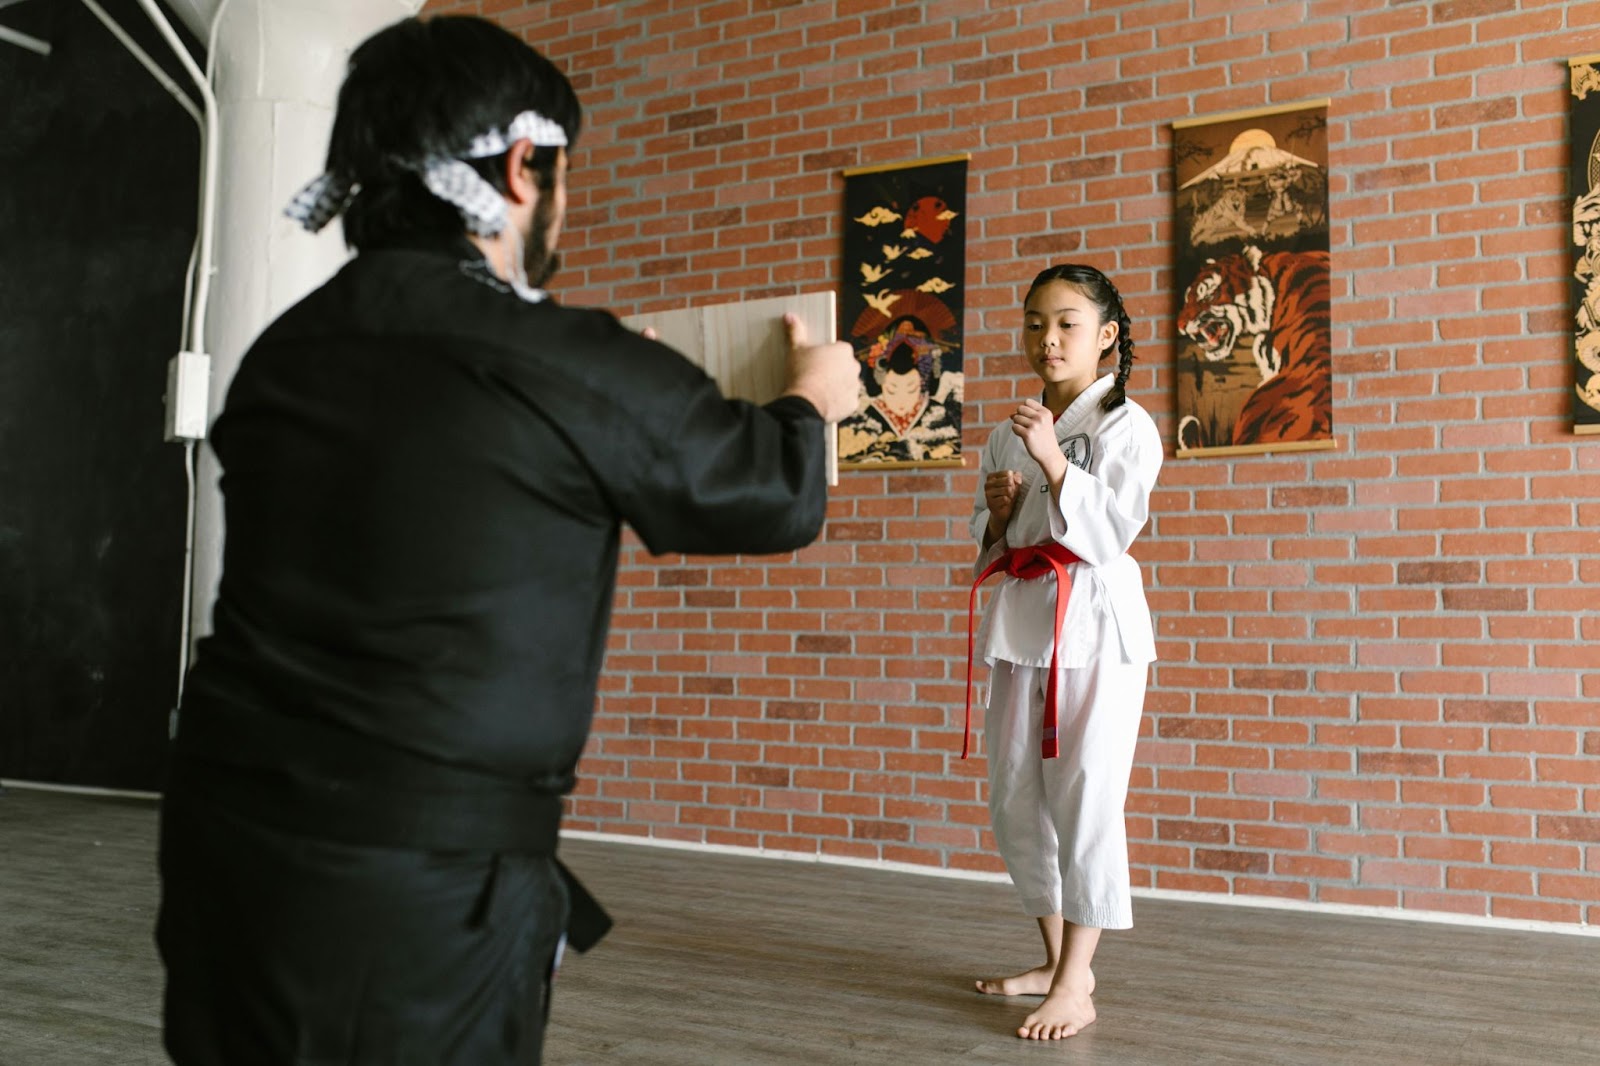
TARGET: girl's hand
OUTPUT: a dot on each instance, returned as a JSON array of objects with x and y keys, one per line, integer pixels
[
  {"x": 1034, "y": 423},
  {"x": 1000, "y": 491}
]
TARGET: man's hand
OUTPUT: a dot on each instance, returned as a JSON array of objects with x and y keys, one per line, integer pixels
[{"x": 826, "y": 375}]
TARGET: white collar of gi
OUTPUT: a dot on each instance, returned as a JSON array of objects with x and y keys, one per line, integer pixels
[{"x": 1088, "y": 401}]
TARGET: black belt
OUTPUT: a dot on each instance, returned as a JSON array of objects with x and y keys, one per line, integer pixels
[
  {"x": 356, "y": 811},
  {"x": 313, "y": 779}
]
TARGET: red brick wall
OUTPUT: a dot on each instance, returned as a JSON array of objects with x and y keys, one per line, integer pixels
[{"x": 1377, "y": 681}]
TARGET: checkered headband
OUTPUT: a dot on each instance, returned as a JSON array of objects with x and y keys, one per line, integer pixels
[{"x": 451, "y": 180}]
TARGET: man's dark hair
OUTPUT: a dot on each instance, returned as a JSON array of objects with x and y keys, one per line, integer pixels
[{"x": 423, "y": 89}]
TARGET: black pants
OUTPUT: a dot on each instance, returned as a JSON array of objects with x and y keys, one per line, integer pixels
[{"x": 286, "y": 950}]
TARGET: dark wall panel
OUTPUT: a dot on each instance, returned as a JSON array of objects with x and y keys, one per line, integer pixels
[{"x": 97, "y": 207}]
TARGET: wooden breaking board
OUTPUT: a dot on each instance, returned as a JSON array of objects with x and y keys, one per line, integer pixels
[{"x": 742, "y": 345}]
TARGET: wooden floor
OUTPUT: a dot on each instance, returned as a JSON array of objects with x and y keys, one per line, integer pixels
[{"x": 731, "y": 961}]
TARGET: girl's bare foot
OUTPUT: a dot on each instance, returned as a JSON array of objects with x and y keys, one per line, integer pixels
[
  {"x": 1064, "y": 1012},
  {"x": 1034, "y": 982}
]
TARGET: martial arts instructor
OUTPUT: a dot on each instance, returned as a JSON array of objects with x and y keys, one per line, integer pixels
[{"x": 426, "y": 465}]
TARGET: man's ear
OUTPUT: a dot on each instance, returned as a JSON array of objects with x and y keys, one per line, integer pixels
[{"x": 522, "y": 186}]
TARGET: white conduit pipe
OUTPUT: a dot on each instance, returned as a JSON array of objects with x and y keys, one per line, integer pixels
[
  {"x": 208, "y": 205},
  {"x": 188, "y": 105},
  {"x": 197, "y": 279},
  {"x": 195, "y": 340},
  {"x": 149, "y": 64},
  {"x": 208, "y": 193},
  {"x": 207, "y": 221},
  {"x": 23, "y": 40}
]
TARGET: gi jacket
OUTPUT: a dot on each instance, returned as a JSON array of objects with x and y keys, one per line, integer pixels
[
  {"x": 1113, "y": 459},
  {"x": 424, "y": 480}
]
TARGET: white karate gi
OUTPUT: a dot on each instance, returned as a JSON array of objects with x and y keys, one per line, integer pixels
[{"x": 1059, "y": 822}]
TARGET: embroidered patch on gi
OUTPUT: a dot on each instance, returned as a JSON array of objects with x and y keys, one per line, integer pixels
[{"x": 1079, "y": 450}]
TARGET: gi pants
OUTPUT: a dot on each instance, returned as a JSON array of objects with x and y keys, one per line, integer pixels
[
  {"x": 1059, "y": 822},
  {"x": 287, "y": 950}
]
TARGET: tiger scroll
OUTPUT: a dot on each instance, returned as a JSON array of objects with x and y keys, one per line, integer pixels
[
  {"x": 743, "y": 346},
  {"x": 1585, "y": 188},
  {"x": 1255, "y": 345}
]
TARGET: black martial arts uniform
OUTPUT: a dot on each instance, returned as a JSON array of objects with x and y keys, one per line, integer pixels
[{"x": 424, "y": 477}]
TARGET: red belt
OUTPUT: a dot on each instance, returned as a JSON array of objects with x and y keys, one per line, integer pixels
[{"x": 1033, "y": 561}]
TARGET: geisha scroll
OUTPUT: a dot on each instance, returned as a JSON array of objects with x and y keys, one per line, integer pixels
[
  {"x": 900, "y": 306},
  {"x": 1586, "y": 243},
  {"x": 1255, "y": 360}
]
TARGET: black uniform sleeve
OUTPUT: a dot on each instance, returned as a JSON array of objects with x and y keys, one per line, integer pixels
[
  {"x": 725, "y": 476},
  {"x": 690, "y": 470}
]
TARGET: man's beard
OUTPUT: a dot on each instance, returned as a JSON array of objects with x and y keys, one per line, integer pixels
[{"x": 539, "y": 260}]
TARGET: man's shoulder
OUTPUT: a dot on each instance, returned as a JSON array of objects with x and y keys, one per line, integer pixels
[{"x": 424, "y": 298}]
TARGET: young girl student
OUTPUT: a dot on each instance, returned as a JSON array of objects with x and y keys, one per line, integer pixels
[{"x": 1065, "y": 489}]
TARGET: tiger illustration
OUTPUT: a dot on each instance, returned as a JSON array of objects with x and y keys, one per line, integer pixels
[{"x": 1280, "y": 300}]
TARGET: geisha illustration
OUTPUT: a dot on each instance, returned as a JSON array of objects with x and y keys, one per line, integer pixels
[
  {"x": 901, "y": 305},
  {"x": 910, "y": 410}
]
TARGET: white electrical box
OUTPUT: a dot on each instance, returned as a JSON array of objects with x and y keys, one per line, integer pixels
[{"x": 188, "y": 395}]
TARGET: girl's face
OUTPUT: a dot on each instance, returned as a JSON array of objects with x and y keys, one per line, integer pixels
[{"x": 1063, "y": 337}]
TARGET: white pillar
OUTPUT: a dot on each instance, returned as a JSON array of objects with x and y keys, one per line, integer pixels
[{"x": 278, "y": 67}]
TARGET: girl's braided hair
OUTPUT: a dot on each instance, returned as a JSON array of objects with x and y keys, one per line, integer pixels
[{"x": 1108, "y": 301}]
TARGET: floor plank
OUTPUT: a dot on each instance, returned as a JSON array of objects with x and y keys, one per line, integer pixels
[{"x": 726, "y": 960}]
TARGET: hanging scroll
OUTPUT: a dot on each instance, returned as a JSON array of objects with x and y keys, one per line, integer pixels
[
  {"x": 900, "y": 306},
  {"x": 1255, "y": 355},
  {"x": 1585, "y": 186}
]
